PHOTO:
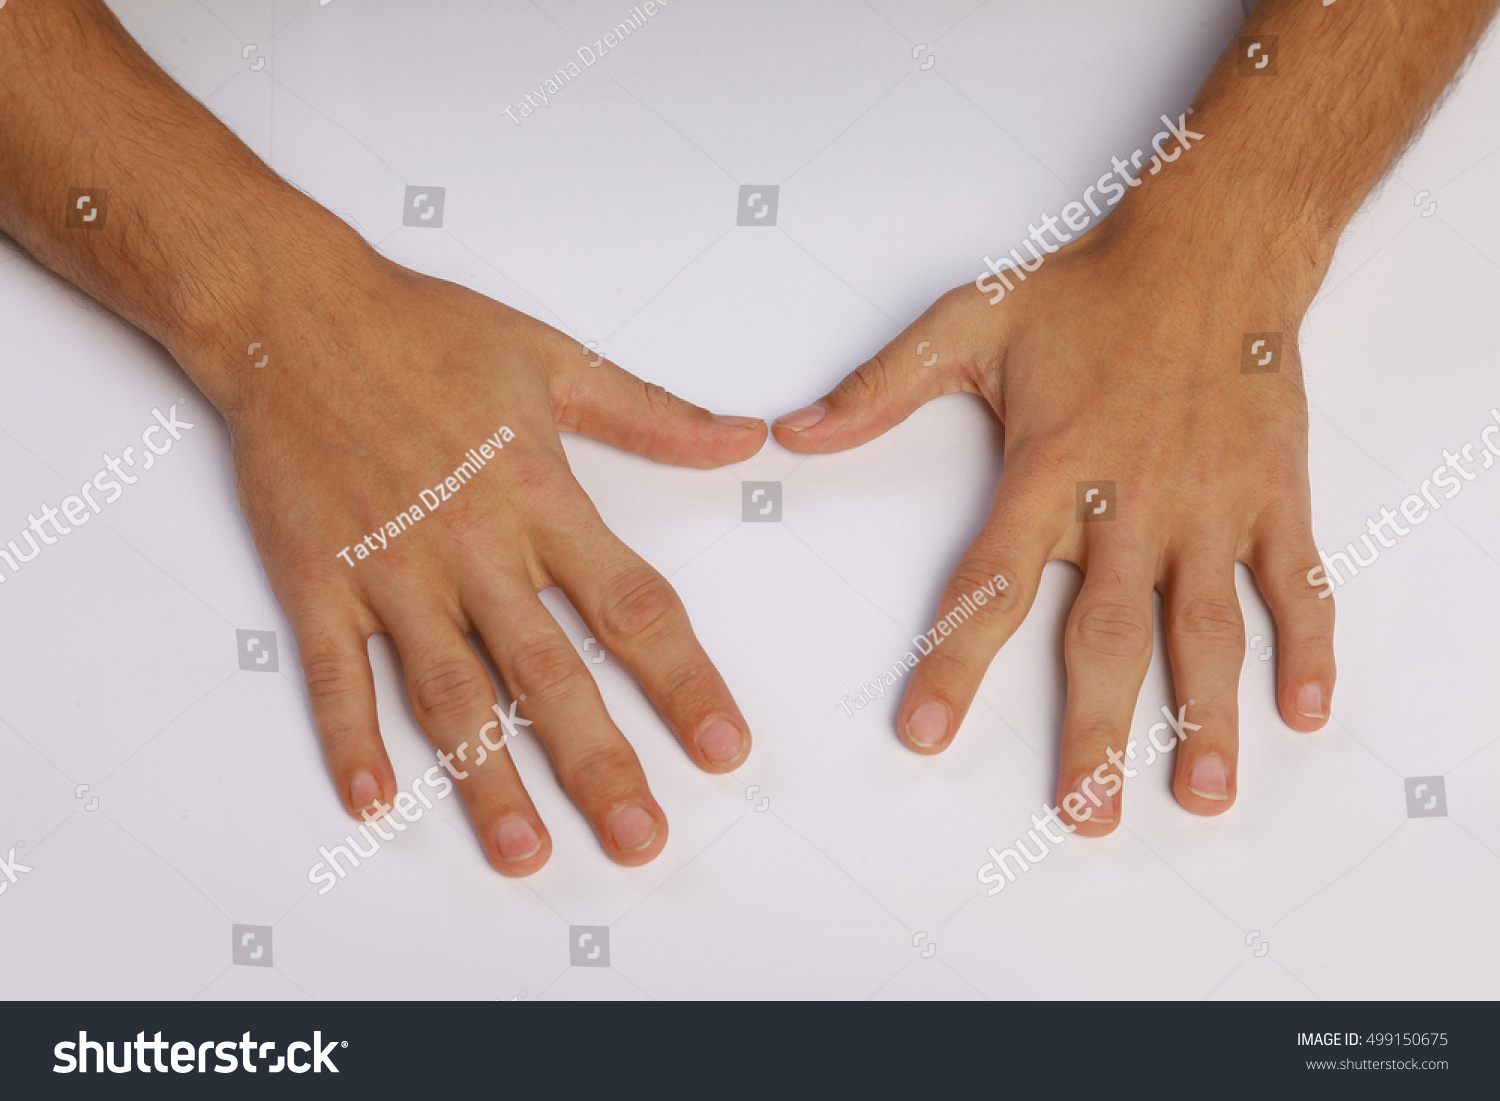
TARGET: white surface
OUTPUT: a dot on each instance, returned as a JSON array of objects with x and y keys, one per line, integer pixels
[{"x": 610, "y": 213}]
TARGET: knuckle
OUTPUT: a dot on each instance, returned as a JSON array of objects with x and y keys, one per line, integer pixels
[
  {"x": 534, "y": 475},
  {"x": 953, "y": 301},
  {"x": 544, "y": 667},
  {"x": 868, "y": 380},
  {"x": 1112, "y": 630},
  {"x": 1209, "y": 620},
  {"x": 975, "y": 577},
  {"x": 949, "y": 668},
  {"x": 660, "y": 400},
  {"x": 1298, "y": 584},
  {"x": 335, "y": 689},
  {"x": 637, "y": 603},
  {"x": 604, "y": 771},
  {"x": 1314, "y": 643},
  {"x": 329, "y": 679},
  {"x": 693, "y": 688},
  {"x": 566, "y": 411},
  {"x": 1100, "y": 735},
  {"x": 449, "y": 689},
  {"x": 659, "y": 430}
]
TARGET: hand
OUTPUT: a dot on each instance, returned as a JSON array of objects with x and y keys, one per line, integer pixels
[
  {"x": 379, "y": 384},
  {"x": 1119, "y": 360}
]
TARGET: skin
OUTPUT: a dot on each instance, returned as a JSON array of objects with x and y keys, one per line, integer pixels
[
  {"x": 380, "y": 380},
  {"x": 1119, "y": 359}
]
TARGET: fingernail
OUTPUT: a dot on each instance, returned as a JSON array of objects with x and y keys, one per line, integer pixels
[
  {"x": 1310, "y": 702},
  {"x": 737, "y": 422},
  {"x": 928, "y": 724},
  {"x": 364, "y": 792},
  {"x": 1209, "y": 780},
  {"x": 516, "y": 839},
  {"x": 632, "y": 828},
  {"x": 1097, "y": 800},
  {"x": 721, "y": 742},
  {"x": 802, "y": 418}
]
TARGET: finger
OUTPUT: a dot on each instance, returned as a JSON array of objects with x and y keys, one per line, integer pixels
[
  {"x": 1206, "y": 643},
  {"x": 613, "y": 406},
  {"x": 341, "y": 692},
  {"x": 1107, "y": 648},
  {"x": 452, "y": 697},
  {"x": 639, "y": 618},
  {"x": 987, "y": 598},
  {"x": 1291, "y": 578},
  {"x": 929, "y": 359},
  {"x": 553, "y": 689}
]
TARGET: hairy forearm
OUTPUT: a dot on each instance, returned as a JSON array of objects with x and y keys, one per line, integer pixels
[
  {"x": 1287, "y": 159},
  {"x": 192, "y": 229}
]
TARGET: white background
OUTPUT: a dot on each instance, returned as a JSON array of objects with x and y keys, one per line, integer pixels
[{"x": 611, "y": 214}]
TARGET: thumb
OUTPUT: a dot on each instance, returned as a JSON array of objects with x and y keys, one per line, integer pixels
[
  {"x": 932, "y": 357},
  {"x": 612, "y": 406}
]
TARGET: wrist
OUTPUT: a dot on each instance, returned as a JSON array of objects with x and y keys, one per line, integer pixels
[
  {"x": 277, "y": 255},
  {"x": 1213, "y": 231}
]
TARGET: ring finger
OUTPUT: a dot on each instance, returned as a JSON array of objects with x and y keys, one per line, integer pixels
[
  {"x": 452, "y": 697},
  {"x": 595, "y": 764}
]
